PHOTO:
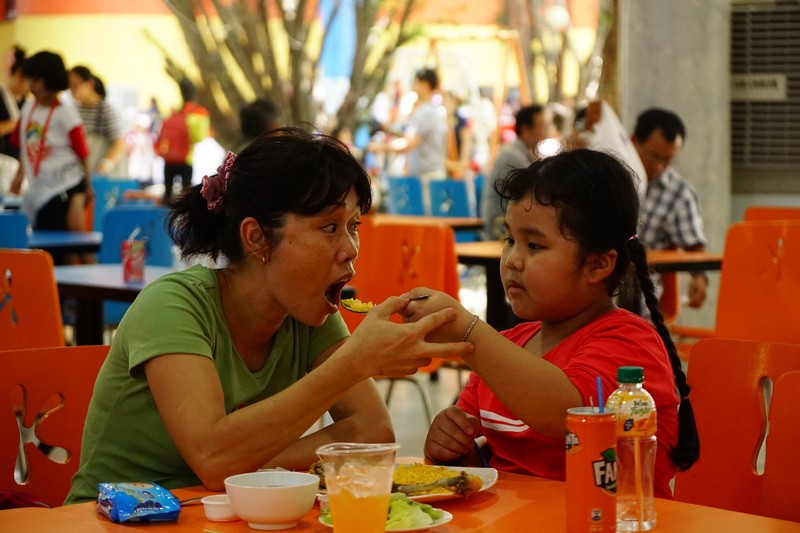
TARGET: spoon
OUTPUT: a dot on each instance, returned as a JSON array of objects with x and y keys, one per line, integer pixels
[{"x": 355, "y": 305}]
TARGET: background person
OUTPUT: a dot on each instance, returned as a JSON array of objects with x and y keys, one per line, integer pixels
[
  {"x": 53, "y": 151},
  {"x": 671, "y": 213},
  {"x": 570, "y": 242},
  {"x": 178, "y": 135},
  {"x": 255, "y": 118},
  {"x": 532, "y": 125},
  {"x": 102, "y": 123},
  {"x": 217, "y": 372}
]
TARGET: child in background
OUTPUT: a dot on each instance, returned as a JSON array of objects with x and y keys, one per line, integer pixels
[
  {"x": 570, "y": 242},
  {"x": 53, "y": 150}
]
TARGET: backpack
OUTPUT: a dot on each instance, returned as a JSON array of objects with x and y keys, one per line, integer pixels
[{"x": 173, "y": 141}]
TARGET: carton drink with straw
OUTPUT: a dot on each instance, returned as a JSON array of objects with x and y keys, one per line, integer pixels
[
  {"x": 132, "y": 255},
  {"x": 636, "y": 450}
]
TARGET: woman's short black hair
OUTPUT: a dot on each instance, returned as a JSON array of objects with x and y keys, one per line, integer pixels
[
  {"x": 284, "y": 171},
  {"x": 49, "y": 67}
]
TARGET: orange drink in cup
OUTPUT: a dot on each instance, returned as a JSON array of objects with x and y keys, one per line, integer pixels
[{"x": 359, "y": 481}]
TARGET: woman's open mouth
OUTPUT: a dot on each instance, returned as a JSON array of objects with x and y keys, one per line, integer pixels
[{"x": 334, "y": 294}]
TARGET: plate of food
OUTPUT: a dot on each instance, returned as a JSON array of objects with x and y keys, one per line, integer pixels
[
  {"x": 405, "y": 515},
  {"x": 431, "y": 483}
]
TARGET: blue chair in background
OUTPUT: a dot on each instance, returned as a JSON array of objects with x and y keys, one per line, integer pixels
[
  {"x": 107, "y": 194},
  {"x": 405, "y": 196},
  {"x": 13, "y": 230},
  {"x": 451, "y": 198},
  {"x": 142, "y": 222}
]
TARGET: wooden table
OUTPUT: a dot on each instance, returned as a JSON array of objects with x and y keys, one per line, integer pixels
[
  {"x": 90, "y": 285},
  {"x": 457, "y": 223},
  {"x": 516, "y": 503},
  {"x": 498, "y": 313},
  {"x": 65, "y": 241}
]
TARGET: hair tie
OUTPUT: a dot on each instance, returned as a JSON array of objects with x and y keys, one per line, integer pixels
[
  {"x": 214, "y": 187},
  {"x": 633, "y": 237}
]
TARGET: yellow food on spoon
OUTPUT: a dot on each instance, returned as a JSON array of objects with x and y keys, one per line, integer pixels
[{"x": 354, "y": 304}]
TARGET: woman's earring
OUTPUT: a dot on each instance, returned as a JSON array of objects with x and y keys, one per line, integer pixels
[{"x": 263, "y": 259}]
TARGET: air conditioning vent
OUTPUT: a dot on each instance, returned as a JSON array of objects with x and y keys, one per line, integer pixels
[{"x": 765, "y": 91}]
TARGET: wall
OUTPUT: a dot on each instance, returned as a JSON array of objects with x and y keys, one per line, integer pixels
[{"x": 675, "y": 54}]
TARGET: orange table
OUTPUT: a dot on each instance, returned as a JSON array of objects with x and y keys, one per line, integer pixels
[
  {"x": 516, "y": 503},
  {"x": 487, "y": 254}
]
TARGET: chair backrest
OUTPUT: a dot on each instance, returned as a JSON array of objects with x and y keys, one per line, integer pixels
[
  {"x": 397, "y": 257},
  {"x": 450, "y": 198},
  {"x": 107, "y": 194},
  {"x": 30, "y": 312},
  {"x": 13, "y": 230},
  {"x": 150, "y": 220},
  {"x": 780, "y": 497},
  {"x": 759, "y": 282},
  {"x": 771, "y": 212},
  {"x": 120, "y": 222},
  {"x": 729, "y": 399},
  {"x": 480, "y": 183},
  {"x": 44, "y": 395},
  {"x": 405, "y": 196}
]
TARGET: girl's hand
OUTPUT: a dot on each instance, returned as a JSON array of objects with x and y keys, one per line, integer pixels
[
  {"x": 450, "y": 331},
  {"x": 451, "y": 435},
  {"x": 385, "y": 348}
]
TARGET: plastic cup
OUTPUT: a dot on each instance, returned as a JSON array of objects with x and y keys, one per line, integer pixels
[{"x": 359, "y": 481}]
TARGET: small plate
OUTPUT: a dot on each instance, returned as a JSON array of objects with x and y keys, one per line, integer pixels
[
  {"x": 488, "y": 475},
  {"x": 446, "y": 517}
]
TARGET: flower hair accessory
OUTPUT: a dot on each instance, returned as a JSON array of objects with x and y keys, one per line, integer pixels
[{"x": 214, "y": 187}]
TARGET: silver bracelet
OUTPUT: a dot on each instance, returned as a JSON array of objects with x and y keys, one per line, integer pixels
[{"x": 469, "y": 328}]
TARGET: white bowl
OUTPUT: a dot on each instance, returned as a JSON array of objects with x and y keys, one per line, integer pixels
[
  {"x": 218, "y": 508},
  {"x": 272, "y": 499}
]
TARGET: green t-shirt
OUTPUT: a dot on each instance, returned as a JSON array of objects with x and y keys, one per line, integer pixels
[{"x": 124, "y": 438}]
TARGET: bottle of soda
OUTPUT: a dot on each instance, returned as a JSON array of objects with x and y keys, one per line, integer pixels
[{"x": 636, "y": 450}]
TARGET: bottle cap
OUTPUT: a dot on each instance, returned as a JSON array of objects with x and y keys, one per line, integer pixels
[{"x": 630, "y": 374}]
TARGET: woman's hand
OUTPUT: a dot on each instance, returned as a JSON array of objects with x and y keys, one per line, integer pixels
[
  {"x": 451, "y": 435},
  {"x": 416, "y": 310},
  {"x": 385, "y": 348}
]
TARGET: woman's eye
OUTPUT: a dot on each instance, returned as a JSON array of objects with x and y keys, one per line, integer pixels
[
  {"x": 354, "y": 226},
  {"x": 508, "y": 240},
  {"x": 330, "y": 228}
]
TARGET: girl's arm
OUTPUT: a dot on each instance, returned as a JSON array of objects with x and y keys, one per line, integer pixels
[{"x": 535, "y": 390}]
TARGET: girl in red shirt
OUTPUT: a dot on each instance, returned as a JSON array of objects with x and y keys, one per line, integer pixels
[{"x": 570, "y": 245}]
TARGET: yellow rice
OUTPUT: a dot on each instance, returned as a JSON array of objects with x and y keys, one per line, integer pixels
[
  {"x": 354, "y": 304},
  {"x": 417, "y": 474}
]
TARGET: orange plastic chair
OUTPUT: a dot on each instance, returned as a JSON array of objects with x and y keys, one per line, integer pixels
[
  {"x": 44, "y": 395},
  {"x": 759, "y": 284},
  {"x": 729, "y": 399},
  {"x": 396, "y": 257},
  {"x": 781, "y": 492},
  {"x": 771, "y": 212},
  {"x": 30, "y": 312}
]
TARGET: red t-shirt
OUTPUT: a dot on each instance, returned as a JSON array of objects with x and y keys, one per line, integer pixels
[{"x": 618, "y": 338}]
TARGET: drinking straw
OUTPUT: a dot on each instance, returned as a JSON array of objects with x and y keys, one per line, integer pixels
[
  {"x": 481, "y": 457},
  {"x": 637, "y": 461},
  {"x": 600, "y": 394}
]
